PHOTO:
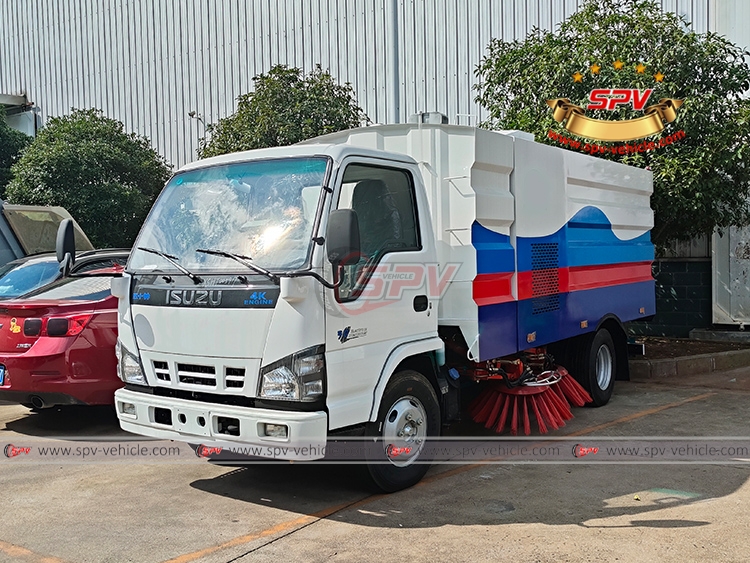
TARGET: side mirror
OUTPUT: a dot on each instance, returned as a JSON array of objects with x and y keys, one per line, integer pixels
[
  {"x": 66, "y": 246},
  {"x": 120, "y": 287},
  {"x": 342, "y": 237}
]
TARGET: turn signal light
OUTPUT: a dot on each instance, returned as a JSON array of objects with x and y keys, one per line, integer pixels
[{"x": 56, "y": 326}]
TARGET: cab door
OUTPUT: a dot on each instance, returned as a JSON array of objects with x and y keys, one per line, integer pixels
[{"x": 384, "y": 299}]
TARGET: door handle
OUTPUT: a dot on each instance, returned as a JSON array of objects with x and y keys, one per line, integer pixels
[{"x": 420, "y": 303}]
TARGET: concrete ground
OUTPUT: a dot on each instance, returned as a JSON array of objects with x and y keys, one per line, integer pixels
[{"x": 194, "y": 511}]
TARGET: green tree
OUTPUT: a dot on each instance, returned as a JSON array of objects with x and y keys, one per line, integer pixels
[
  {"x": 12, "y": 143},
  {"x": 285, "y": 107},
  {"x": 107, "y": 179},
  {"x": 701, "y": 182}
]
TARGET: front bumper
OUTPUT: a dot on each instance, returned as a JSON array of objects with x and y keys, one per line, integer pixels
[{"x": 205, "y": 423}]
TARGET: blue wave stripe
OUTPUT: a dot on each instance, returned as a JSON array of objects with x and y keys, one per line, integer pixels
[
  {"x": 495, "y": 255},
  {"x": 587, "y": 240},
  {"x": 591, "y": 242}
]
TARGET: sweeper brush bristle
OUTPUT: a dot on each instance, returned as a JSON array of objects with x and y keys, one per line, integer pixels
[
  {"x": 499, "y": 406},
  {"x": 574, "y": 393}
]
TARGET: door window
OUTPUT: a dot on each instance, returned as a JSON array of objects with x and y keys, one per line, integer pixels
[{"x": 384, "y": 201}]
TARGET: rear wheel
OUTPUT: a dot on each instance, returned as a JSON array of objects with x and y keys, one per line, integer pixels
[
  {"x": 595, "y": 366},
  {"x": 409, "y": 414}
]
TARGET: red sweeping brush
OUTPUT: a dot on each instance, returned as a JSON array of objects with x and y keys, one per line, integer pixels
[
  {"x": 549, "y": 396},
  {"x": 571, "y": 389}
]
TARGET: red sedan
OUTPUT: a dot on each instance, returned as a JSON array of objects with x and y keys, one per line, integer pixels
[{"x": 57, "y": 344}]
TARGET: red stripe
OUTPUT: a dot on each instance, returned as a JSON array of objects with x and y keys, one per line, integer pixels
[
  {"x": 496, "y": 288},
  {"x": 591, "y": 277},
  {"x": 525, "y": 285},
  {"x": 489, "y": 289}
]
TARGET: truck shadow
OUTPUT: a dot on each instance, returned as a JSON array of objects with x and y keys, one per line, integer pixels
[{"x": 592, "y": 496}]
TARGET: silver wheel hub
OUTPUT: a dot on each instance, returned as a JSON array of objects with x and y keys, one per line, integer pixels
[
  {"x": 404, "y": 431},
  {"x": 603, "y": 367}
]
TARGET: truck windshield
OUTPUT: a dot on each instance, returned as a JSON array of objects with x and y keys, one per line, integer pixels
[{"x": 263, "y": 209}]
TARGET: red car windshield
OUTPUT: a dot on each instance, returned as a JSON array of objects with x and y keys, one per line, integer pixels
[{"x": 18, "y": 279}]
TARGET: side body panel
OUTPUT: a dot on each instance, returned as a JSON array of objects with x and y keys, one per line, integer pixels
[
  {"x": 548, "y": 241},
  {"x": 582, "y": 239}
]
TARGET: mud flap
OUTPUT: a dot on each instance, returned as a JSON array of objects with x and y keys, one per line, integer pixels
[{"x": 450, "y": 395}]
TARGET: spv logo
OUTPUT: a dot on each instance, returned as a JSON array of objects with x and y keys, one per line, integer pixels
[
  {"x": 655, "y": 116},
  {"x": 12, "y": 451},
  {"x": 582, "y": 451},
  {"x": 609, "y": 98},
  {"x": 207, "y": 451}
]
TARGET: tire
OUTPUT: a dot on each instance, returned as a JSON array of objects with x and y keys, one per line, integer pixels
[
  {"x": 396, "y": 462},
  {"x": 595, "y": 366}
]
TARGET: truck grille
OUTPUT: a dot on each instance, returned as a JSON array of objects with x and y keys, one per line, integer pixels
[
  {"x": 196, "y": 374},
  {"x": 235, "y": 378},
  {"x": 161, "y": 370},
  {"x": 207, "y": 376}
]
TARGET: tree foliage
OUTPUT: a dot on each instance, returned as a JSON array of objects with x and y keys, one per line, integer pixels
[
  {"x": 701, "y": 182},
  {"x": 107, "y": 179},
  {"x": 12, "y": 143},
  {"x": 285, "y": 107}
]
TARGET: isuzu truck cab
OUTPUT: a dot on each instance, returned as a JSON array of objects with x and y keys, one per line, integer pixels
[{"x": 280, "y": 296}]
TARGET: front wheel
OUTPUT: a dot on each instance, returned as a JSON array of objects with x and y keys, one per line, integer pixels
[{"x": 409, "y": 414}]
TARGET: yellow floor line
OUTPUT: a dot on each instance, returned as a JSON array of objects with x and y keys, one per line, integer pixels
[
  {"x": 18, "y": 552},
  {"x": 641, "y": 414},
  {"x": 326, "y": 512},
  {"x": 272, "y": 531}
]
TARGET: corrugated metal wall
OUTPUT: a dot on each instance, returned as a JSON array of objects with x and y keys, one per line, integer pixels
[{"x": 150, "y": 62}]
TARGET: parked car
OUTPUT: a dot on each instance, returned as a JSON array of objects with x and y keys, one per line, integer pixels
[
  {"x": 22, "y": 276},
  {"x": 31, "y": 229},
  {"x": 57, "y": 342}
]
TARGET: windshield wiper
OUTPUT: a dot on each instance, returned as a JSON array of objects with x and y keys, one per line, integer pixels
[
  {"x": 244, "y": 260},
  {"x": 173, "y": 260}
]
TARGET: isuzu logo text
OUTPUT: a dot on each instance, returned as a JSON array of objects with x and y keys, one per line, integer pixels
[
  {"x": 198, "y": 297},
  {"x": 610, "y": 98}
]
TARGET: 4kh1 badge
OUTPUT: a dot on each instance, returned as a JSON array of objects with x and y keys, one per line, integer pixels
[{"x": 348, "y": 334}]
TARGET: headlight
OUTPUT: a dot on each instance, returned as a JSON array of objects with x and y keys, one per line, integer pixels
[
  {"x": 299, "y": 377},
  {"x": 129, "y": 366}
]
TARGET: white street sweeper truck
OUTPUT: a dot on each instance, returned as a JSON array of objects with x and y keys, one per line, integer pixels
[{"x": 281, "y": 297}]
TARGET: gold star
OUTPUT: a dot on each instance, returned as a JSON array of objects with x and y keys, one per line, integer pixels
[
  {"x": 595, "y": 68},
  {"x": 640, "y": 68},
  {"x": 578, "y": 77},
  {"x": 618, "y": 64},
  {"x": 659, "y": 77}
]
